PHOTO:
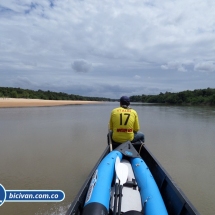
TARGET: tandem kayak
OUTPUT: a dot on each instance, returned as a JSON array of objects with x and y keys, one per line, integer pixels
[{"x": 130, "y": 181}]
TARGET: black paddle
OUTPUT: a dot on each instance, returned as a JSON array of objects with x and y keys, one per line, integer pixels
[
  {"x": 122, "y": 174},
  {"x": 109, "y": 138},
  {"x": 116, "y": 186}
]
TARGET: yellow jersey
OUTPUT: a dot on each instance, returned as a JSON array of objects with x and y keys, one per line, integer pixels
[{"x": 123, "y": 122}]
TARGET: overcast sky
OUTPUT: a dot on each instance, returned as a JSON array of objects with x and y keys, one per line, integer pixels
[{"x": 107, "y": 48}]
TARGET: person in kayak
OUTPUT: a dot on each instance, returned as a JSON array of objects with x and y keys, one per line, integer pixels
[{"x": 124, "y": 124}]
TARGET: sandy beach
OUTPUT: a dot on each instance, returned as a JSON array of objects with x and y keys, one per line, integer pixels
[{"x": 11, "y": 102}]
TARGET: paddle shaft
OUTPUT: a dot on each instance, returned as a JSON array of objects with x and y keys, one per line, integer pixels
[
  {"x": 122, "y": 174},
  {"x": 120, "y": 199},
  {"x": 110, "y": 140},
  {"x": 116, "y": 186},
  {"x": 115, "y": 198}
]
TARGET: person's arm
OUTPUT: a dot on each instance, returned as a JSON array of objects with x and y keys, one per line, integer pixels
[
  {"x": 110, "y": 123},
  {"x": 136, "y": 124}
]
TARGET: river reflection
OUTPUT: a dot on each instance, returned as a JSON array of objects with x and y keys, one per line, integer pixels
[{"x": 56, "y": 147}]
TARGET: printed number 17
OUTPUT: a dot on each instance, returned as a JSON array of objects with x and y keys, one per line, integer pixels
[{"x": 126, "y": 121}]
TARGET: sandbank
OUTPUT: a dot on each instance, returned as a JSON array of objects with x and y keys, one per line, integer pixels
[{"x": 12, "y": 102}]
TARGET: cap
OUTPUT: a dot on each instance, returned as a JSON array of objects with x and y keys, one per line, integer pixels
[{"x": 124, "y": 100}]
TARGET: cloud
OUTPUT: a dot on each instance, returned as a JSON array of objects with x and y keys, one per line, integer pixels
[
  {"x": 137, "y": 77},
  {"x": 174, "y": 66},
  {"x": 81, "y": 66},
  {"x": 110, "y": 42},
  {"x": 24, "y": 82},
  {"x": 205, "y": 66}
]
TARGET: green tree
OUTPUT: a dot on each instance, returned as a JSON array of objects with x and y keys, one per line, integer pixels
[{"x": 13, "y": 94}]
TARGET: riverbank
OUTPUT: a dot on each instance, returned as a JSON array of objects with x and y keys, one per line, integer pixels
[{"x": 12, "y": 102}]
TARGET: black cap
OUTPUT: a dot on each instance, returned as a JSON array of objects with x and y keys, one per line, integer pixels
[{"x": 124, "y": 100}]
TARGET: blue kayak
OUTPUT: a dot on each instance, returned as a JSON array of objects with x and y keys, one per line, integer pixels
[
  {"x": 103, "y": 182},
  {"x": 148, "y": 188}
]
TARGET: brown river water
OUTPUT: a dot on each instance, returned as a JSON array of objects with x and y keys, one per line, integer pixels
[{"x": 55, "y": 148}]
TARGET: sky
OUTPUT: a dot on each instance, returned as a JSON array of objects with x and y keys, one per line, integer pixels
[{"x": 107, "y": 48}]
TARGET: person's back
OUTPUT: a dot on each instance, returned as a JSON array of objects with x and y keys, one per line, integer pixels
[{"x": 124, "y": 123}]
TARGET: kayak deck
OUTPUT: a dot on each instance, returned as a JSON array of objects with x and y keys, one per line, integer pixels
[{"x": 175, "y": 200}]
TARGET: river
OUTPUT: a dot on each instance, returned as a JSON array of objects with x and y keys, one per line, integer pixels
[{"x": 44, "y": 148}]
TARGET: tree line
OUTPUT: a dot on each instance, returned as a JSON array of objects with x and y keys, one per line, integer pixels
[
  {"x": 9, "y": 92},
  {"x": 196, "y": 97}
]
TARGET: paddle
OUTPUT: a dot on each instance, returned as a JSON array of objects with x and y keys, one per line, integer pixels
[
  {"x": 109, "y": 137},
  {"x": 116, "y": 186},
  {"x": 122, "y": 174}
]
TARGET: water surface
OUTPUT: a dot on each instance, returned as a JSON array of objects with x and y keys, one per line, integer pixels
[{"x": 56, "y": 148}]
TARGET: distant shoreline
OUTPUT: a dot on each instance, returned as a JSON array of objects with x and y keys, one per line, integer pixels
[{"x": 12, "y": 102}]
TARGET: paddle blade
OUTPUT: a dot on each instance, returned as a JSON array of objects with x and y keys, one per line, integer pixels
[
  {"x": 117, "y": 162},
  {"x": 122, "y": 173}
]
